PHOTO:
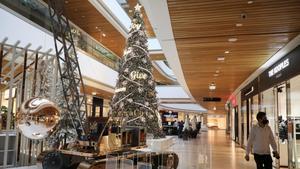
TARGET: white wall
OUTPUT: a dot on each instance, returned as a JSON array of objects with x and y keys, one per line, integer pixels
[
  {"x": 220, "y": 122},
  {"x": 17, "y": 28},
  {"x": 171, "y": 92}
]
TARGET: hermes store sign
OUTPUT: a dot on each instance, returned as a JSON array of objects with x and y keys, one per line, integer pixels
[{"x": 279, "y": 67}]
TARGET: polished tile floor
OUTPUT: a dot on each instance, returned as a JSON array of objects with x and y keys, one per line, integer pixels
[{"x": 211, "y": 150}]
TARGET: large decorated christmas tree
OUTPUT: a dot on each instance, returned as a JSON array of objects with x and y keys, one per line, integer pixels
[{"x": 134, "y": 102}]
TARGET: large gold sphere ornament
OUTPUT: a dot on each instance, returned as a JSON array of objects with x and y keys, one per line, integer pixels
[{"x": 37, "y": 118}]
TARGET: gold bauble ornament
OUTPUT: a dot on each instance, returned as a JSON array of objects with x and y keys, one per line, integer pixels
[{"x": 37, "y": 118}]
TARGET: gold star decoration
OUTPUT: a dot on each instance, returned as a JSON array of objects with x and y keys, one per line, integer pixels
[
  {"x": 138, "y": 26},
  {"x": 137, "y": 7}
]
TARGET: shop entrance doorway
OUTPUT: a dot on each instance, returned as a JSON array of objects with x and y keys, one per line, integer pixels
[
  {"x": 281, "y": 124},
  {"x": 236, "y": 124}
]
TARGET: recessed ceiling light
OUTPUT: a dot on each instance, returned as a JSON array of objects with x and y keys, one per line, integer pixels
[
  {"x": 94, "y": 93},
  {"x": 232, "y": 39},
  {"x": 238, "y": 24},
  {"x": 227, "y": 51},
  {"x": 250, "y": 2},
  {"x": 217, "y": 71},
  {"x": 214, "y": 108},
  {"x": 216, "y": 75},
  {"x": 212, "y": 86},
  {"x": 103, "y": 34},
  {"x": 221, "y": 58}
]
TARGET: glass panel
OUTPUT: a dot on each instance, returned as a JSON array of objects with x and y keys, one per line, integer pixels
[
  {"x": 267, "y": 105},
  {"x": 1, "y": 158},
  {"x": 282, "y": 124},
  {"x": 254, "y": 109},
  {"x": 294, "y": 122},
  {"x": 2, "y": 142},
  {"x": 112, "y": 162},
  {"x": 141, "y": 165},
  {"x": 249, "y": 115},
  {"x": 10, "y": 157},
  {"x": 162, "y": 167},
  {"x": 244, "y": 122},
  {"x": 126, "y": 164}
]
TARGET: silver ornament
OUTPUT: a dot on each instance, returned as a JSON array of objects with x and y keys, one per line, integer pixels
[
  {"x": 124, "y": 83},
  {"x": 130, "y": 100},
  {"x": 144, "y": 60},
  {"x": 121, "y": 105}
]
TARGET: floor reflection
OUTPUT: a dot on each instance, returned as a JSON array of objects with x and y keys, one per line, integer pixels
[{"x": 211, "y": 150}]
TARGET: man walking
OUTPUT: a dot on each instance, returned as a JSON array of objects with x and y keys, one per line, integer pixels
[{"x": 261, "y": 137}]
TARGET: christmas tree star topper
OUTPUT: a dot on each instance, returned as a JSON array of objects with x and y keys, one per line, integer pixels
[{"x": 138, "y": 7}]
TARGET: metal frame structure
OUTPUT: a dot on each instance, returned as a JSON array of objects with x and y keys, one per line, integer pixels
[
  {"x": 18, "y": 65},
  {"x": 68, "y": 65}
]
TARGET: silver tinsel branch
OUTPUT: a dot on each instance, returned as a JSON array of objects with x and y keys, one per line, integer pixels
[
  {"x": 65, "y": 131},
  {"x": 135, "y": 101}
]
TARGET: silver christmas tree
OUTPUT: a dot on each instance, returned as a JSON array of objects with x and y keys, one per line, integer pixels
[
  {"x": 65, "y": 131},
  {"x": 134, "y": 102},
  {"x": 45, "y": 76}
]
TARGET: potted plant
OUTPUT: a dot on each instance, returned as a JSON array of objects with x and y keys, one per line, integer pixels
[{"x": 3, "y": 116}]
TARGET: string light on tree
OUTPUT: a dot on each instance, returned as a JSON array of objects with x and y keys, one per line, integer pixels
[
  {"x": 137, "y": 8},
  {"x": 137, "y": 105}
]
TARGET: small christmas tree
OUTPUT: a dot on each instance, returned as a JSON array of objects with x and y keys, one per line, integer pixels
[
  {"x": 45, "y": 75},
  {"x": 134, "y": 102},
  {"x": 65, "y": 131}
]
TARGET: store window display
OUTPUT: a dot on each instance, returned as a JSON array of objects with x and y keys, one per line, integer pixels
[
  {"x": 283, "y": 129},
  {"x": 293, "y": 123},
  {"x": 3, "y": 117}
]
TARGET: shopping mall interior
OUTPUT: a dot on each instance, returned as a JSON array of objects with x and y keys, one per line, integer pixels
[{"x": 149, "y": 84}]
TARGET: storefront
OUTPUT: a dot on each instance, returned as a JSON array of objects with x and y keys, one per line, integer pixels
[
  {"x": 280, "y": 89},
  {"x": 249, "y": 109},
  {"x": 277, "y": 92}
]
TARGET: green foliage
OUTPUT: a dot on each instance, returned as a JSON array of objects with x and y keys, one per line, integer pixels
[
  {"x": 135, "y": 101},
  {"x": 65, "y": 130},
  {"x": 3, "y": 109}
]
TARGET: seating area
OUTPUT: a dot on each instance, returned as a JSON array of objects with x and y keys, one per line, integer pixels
[{"x": 190, "y": 132}]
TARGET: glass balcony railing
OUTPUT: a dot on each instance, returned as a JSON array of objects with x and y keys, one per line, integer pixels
[{"x": 37, "y": 12}]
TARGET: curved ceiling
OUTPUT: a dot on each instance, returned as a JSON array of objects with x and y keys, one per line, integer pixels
[
  {"x": 220, "y": 42},
  {"x": 225, "y": 41}
]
